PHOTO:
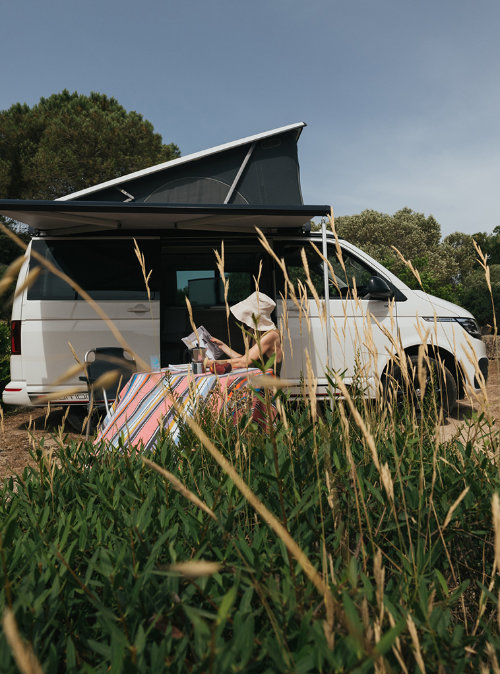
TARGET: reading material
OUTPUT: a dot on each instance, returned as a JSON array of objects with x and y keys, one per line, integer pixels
[{"x": 204, "y": 341}]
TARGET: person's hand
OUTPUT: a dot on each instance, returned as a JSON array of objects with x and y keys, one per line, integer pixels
[{"x": 217, "y": 341}]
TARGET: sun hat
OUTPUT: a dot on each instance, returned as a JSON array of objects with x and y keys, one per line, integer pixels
[{"x": 255, "y": 311}]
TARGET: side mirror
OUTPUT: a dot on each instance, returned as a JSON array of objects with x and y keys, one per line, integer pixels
[{"x": 378, "y": 289}]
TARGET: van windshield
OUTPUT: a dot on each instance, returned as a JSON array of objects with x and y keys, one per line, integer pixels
[{"x": 106, "y": 269}]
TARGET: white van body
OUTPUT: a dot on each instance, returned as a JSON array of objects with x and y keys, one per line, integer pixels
[{"x": 362, "y": 335}]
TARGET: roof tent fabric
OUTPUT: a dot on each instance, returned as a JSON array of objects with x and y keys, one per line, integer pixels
[
  {"x": 248, "y": 183},
  {"x": 261, "y": 170}
]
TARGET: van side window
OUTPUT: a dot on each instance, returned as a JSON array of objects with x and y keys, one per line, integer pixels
[
  {"x": 106, "y": 269},
  {"x": 291, "y": 254},
  {"x": 198, "y": 278},
  {"x": 349, "y": 273}
]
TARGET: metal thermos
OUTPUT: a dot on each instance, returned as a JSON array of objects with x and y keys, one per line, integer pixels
[{"x": 198, "y": 355}]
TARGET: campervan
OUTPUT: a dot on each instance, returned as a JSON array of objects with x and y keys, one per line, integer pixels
[{"x": 208, "y": 227}]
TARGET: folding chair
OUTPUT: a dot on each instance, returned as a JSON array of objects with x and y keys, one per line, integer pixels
[{"x": 99, "y": 361}]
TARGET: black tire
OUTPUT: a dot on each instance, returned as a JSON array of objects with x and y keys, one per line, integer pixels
[
  {"x": 76, "y": 417},
  {"x": 440, "y": 386}
]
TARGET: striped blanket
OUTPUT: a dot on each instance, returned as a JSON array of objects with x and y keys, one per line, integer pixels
[{"x": 144, "y": 406}]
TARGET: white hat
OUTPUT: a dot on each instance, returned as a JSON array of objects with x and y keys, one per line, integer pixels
[{"x": 255, "y": 311}]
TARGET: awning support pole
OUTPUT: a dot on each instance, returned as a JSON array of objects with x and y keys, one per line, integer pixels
[{"x": 327, "y": 299}]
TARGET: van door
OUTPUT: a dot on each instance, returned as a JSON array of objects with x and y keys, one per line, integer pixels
[
  {"x": 56, "y": 320},
  {"x": 359, "y": 325},
  {"x": 190, "y": 270}
]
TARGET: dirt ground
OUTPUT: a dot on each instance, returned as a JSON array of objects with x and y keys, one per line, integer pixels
[{"x": 20, "y": 429}]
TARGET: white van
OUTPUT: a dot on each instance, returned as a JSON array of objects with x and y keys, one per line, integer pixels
[
  {"x": 50, "y": 324},
  {"x": 180, "y": 212}
]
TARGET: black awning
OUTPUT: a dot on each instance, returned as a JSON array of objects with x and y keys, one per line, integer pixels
[{"x": 76, "y": 217}]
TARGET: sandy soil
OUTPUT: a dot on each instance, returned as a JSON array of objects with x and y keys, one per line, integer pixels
[{"x": 19, "y": 430}]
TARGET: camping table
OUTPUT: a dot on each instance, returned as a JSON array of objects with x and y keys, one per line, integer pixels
[{"x": 144, "y": 406}]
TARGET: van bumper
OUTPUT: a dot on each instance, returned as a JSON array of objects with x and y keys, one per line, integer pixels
[{"x": 16, "y": 393}]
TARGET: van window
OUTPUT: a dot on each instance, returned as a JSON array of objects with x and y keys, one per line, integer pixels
[
  {"x": 202, "y": 284},
  {"x": 106, "y": 269},
  {"x": 291, "y": 253},
  {"x": 352, "y": 273},
  {"x": 349, "y": 273}
]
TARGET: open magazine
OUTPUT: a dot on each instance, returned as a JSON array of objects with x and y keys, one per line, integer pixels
[{"x": 204, "y": 341}]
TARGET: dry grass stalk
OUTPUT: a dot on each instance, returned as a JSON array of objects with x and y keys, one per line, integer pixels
[
  {"x": 195, "y": 568},
  {"x": 142, "y": 262},
  {"x": 58, "y": 395},
  {"x": 71, "y": 372},
  {"x": 191, "y": 319},
  {"x": 408, "y": 264},
  {"x": 454, "y": 507},
  {"x": 490, "y": 649},
  {"x": 482, "y": 259},
  {"x": 23, "y": 653},
  {"x": 359, "y": 420},
  {"x": 178, "y": 486},
  {"x": 219, "y": 257},
  {"x": 416, "y": 643},
  {"x": 269, "y": 382},
  {"x": 10, "y": 274},
  {"x": 321, "y": 306},
  {"x": 396, "y": 648},
  {"x": 28, "y": 281},
  {"x": 312, "y": 385},
  {"x": 385, "y": 476}
]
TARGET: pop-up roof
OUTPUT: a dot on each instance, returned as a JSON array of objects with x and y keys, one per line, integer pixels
[
  {"x": 260, "y": 170},
  {"x": 237, "y": 186}
]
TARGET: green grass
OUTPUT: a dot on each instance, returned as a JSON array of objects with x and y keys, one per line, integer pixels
[{"x": 86, "y": 546}]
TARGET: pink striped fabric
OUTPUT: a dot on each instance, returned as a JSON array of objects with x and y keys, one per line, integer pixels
[{"x": 144, "y": 406}]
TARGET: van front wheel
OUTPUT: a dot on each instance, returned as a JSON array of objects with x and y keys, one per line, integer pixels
[{"x": 436, "y": 385}]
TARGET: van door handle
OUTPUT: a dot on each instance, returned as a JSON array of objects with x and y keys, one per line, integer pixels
[{"x": 139, "y": 309}]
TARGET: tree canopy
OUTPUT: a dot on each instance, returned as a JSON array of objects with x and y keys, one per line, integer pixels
[{"x": 68, "y": 142}]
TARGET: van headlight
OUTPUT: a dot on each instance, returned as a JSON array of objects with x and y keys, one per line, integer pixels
[{"x": 470, "y": 325}]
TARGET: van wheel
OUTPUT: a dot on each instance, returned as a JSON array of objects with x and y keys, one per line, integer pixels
[
  {"x": 76, "y": 416},
  {"x": 440, "y": 388}
]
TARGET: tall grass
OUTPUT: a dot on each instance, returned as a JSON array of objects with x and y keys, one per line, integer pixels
[{"x": 347, "y": 537}]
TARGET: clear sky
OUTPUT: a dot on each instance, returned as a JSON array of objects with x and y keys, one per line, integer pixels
[{"x": 401, "y": 97}]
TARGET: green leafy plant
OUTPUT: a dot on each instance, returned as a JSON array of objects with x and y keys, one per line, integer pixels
[{"x": 93, "y": 549}]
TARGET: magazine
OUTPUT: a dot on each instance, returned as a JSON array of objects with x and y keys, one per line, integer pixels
[{"x": 205, "y": 341}]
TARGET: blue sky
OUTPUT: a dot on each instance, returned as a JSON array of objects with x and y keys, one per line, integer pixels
[{"x": 401, "y": 97}]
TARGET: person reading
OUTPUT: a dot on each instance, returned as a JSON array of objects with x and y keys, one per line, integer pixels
[{"x": 254, "y": 312}]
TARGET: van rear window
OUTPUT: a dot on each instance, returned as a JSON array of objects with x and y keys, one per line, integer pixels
[{"x": 106, "y": 269}]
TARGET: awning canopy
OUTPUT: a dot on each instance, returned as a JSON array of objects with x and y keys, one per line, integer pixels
[{"x": 75, "y": 217}]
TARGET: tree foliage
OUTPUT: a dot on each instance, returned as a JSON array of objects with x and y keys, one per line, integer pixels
[
  {"x": 475, "y": 295},
  {"x": 69, "y": 141}
]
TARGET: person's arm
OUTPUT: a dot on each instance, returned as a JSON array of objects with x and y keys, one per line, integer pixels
[
  {"x": 227, "y": 350},
  {"x": 256, "y": 352}
]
